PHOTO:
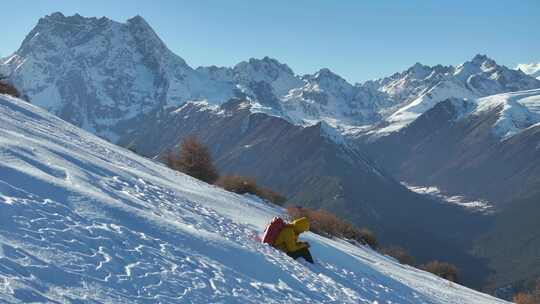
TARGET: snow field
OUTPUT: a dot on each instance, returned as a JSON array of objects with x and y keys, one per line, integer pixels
[{"x": 84, "y": 221}]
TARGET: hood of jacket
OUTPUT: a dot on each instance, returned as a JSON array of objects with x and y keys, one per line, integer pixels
[{"x": 301, "y": 225}]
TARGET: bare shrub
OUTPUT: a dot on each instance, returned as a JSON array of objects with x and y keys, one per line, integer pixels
[
  {"x": 525, "y": 298},
  {"x": 238, "y": 184},
  {"x": 442, "y": 269},
  {"x": 272, "y": 196},
  {"x": 242, "y": 184},
  {"x": 6, "y": 88},
  {"x": 325, "y": 223},
  {"x": 532, "y": 296},
  {"x": 399, "y": 254},
  {"x": 194, "y": 159},
  {"x": 537, "y": 291},
  {"x": 369, "y": 237}
]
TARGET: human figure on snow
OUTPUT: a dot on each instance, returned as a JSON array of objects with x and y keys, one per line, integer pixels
[{"x": 287, "y": 240}]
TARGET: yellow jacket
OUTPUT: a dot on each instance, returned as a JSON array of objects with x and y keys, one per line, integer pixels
[{"x": 287, "y": 239}]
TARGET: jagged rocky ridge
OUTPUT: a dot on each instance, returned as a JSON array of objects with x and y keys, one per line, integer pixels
[{"x": 110, "y": 78}]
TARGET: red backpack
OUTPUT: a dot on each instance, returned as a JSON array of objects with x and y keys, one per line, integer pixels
[{"x": 272, "y": 230}]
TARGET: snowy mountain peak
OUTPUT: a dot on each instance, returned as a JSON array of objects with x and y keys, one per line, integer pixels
[
  {"x": 103, "y": 75},
  {"x": 330, "y": 82},
  {"x": 150, "y": 45},
  {"x": 140, "y": 27},
  {"x": 326, "y": 74},
  {"x": 279, "y": 76},
  {"x": 479, "y": 64},
  {"x": 419, "y": 71},
  {"x": 270, "y": 64},
  {"x": 267, "y": 68},
  {"x": 479, "y": 77},
  {"x": 57, "y": 31},
  {"x": 138, "y": 19},
  {"x": 59, "y": 17},
  {"x": 532, "y": 69},
  {"x": 55, "y": 15},
  {"x": 72, "y": 23},
  {"x": 481, "y": 59}
]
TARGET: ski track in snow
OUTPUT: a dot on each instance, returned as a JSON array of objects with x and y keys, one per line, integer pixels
[{"x": 84, "y": 221}]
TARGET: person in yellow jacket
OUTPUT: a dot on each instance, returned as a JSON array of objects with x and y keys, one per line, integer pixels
[{"x": 287, "y": 240}]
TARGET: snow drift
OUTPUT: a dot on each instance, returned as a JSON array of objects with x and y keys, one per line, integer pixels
[{"x": 82, "y": 220}]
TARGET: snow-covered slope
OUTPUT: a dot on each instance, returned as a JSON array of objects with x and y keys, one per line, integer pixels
[
  {"x": 532, "y": 69},
  {"x": 518, "y": 111},
  {"x": 421, "y": 87},
  {"x": 82, "y": 220}
]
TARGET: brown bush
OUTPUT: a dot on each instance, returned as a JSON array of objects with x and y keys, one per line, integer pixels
[
  {"x": 194, "y": 159},
  {"x": 238, "y": 184},
  {"x": 6, "y": 88},
  {"x": 537, "y": 291},
  {"x": 531, "y": 295},
  {"x": 272, "y": 196},
  {"x": 325, "y": 223},
  {"x": 242, "y": 184},
  {"x": 399, "y": 254},
  {"x": 369, "y": 237},
  {"x": 442, "y": 269},
  {"x": 525, "y": 298}
]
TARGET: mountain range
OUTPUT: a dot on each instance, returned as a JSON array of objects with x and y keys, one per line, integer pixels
[
  {"x": 109, "y": 77},
  {"x": 470, "y": 129}
]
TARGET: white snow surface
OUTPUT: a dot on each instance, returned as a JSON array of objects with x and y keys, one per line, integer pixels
[
  {"x": 421, "y": 87},
  {"x": 532, "y": 69},
  {"x": 408, "y": 113},
  {"x": 518, "y": 111},
  {"x": 478, "y": 205},
  {"x": 85, "y": 221}
]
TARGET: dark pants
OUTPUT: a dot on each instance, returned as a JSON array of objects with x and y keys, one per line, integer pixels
[{"x": 301, "y": 253}]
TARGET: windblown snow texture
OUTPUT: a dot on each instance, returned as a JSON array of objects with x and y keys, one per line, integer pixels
[{"x": 82, "y": 220}]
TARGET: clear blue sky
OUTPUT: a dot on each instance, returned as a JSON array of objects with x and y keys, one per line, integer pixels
[{"x": 359, "y": 40}]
